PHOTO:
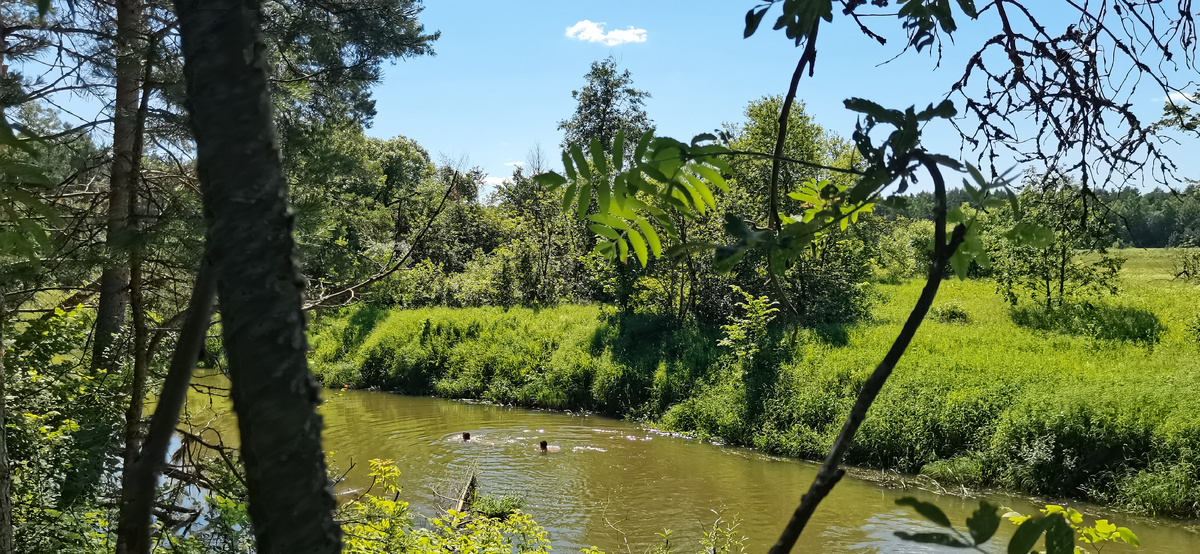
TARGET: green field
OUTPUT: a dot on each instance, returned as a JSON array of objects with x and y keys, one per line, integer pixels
[{"x": 1098, "y": 404}]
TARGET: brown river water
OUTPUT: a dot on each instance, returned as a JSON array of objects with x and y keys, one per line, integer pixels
[{"x": 610, "y": 481}]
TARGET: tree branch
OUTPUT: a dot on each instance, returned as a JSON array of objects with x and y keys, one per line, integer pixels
[
  {"x": 807, "y": 59},
  {"x": 137, "y": 497},
  {"x": 831, "y": 472}
]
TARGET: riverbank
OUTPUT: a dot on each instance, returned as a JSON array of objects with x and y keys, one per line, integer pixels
[{"x": 1098, "y": 405}]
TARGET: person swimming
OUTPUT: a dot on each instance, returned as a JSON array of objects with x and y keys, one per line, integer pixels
[
  {"x": 543, "y": 447},
  {"x": 466, "y": 437}
]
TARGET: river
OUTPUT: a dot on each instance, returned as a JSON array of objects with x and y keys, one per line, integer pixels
[{"x": 610, "y": 481}]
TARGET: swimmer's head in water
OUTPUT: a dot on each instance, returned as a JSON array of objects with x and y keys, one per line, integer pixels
[
  {"x": 466, "y": 437},
  {"x": 543, "y": 445}
]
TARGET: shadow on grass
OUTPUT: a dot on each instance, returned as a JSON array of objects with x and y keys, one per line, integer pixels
[
  {"x": 1097, "y": 321},
  {"x": 832, "y": 334}
]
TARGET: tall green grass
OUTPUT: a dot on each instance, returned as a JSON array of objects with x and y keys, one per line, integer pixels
[
  {"x": 576, "y": 357},
  {"x": 1097, "y": 402}
]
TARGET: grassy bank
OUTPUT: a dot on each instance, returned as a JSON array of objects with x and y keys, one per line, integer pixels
[{"x": 1100, "y": 403}]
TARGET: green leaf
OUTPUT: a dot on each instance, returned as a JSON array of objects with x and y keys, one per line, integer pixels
[
  {"x": 599, "y": 159},
  {"x": 1027, "y": 535},
  {"x": 874, "y": 111},
  {"x": 753, "y": 18},
  {"x": 1013, "y": 202},
  {"x": 33, "y": 203},
  {"x": 569, "y": 197},
  {"x": 571, "y": 176},
  {"x": 702, "y": 190},
  {"x": 689, "y": 247},
  {"x": 651, "y": 236},
  {"x": 8, "y": 138},
  {"x": 25, "y": 173},
  {"x": 740, "y": 229},
  {"x": 932, "y": 538},
  {"x": 968, "y": 7},
  {"x": 549, "y": 181},
  {"x": 639, "y": 246},
  {"x": 610, "y": 221},
  {"x": 1060, "y": 538},
  {"x": 585, "y": 199},
  {"x": 977, "y": 176},
  {"x": 943, "y": 110},
  {"x": 697, "y": 199},
  {"x": 606, "y": 232},
  {"x": 603, "y": 194},
  {"x": 727, "y": 256},
  {"x": 946, "y": 161},
  {"x": 711, "y": 175},
  {"x": 37, "y": 232},
  {"x": 585, "y": 170},
  {"x": 618, "y": 150},
  {"x": 961, "y": 262},
  {"x": 1128, "y": 536},
  {"x": 703, "y": 137},
  {"x": 983, "y": 523},
  {"x": 643, "y": 143},
  {"x": 927, "y": 510},
  {"x": 620, "y": 194},
  {"x": 622, "y": 250}
]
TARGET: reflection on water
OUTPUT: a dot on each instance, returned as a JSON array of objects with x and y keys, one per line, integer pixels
[{"x": 609, "y": 477}]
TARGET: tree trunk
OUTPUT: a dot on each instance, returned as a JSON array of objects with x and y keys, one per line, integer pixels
[
  {"x": 6, "y": 528},
  {"x": 114, "y": 280},
  {"x": 258, "y": 282}
]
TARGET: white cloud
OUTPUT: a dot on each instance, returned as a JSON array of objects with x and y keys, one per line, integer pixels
[
  {"x": 493, "y": 181},
  {"x": 515, "y": 164},
  {"x": 588, "y": 31},
  {"x": 1182, "y": 97}
]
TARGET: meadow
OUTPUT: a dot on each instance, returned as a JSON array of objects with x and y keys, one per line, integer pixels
[{"x": 1096, "y": 402}]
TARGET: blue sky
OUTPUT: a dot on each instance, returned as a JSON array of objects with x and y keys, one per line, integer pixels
[{"x": 503, "y": 74}]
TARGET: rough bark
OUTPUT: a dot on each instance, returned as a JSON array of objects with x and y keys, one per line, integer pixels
[
  {"x": 258, "y": 282},
  {"x": 6, "y": 528},
  {"x": 114, "y": 279}
]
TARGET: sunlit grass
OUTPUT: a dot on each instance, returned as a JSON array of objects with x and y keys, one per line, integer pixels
[{"x": 1097, "y": 403}]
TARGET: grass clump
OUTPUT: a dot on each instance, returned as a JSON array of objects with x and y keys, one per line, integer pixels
[
  {"x": 497, "y": 507},
  {"x": 950, "y": 312}
]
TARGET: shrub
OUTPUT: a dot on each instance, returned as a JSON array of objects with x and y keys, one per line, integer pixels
[
  {"x": 950, "y": 312},
  {"x": 1099, "y": 321},
  {"x": 1187, "y": 264},
  {"x": 1192, "y": 330},
  {"x": 904, "y": 251},
  {"x": 967, "y": 469},
  {"x": 497, "y": 507}
]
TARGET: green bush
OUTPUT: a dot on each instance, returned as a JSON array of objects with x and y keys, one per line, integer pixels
[
  {"x": 497, "y": 507},
  {"x": 1099, "y": 321},
  {"x": 950, "y": 312},
  {"x": 1192, "y": 329}
]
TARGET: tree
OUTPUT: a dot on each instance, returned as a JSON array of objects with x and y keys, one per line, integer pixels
[
  {"x": 258, "y": 282},
  {"x": 608, "y": 103},
  {"x": 1062, "y": 223}
]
